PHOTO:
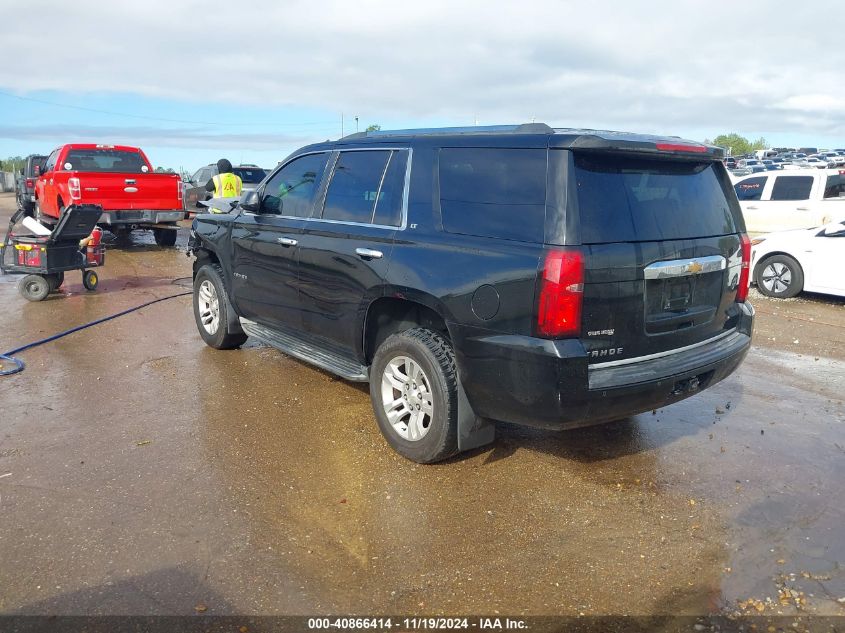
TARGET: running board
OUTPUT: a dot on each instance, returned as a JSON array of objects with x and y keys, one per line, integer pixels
[{"x": 308, "y": 349}]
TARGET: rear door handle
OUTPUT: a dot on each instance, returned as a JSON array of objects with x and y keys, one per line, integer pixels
[
  {"x": 287, "y": 241},
  {"x": 368, "y": 253},
  {"x": 803, "y": 208},
  {"x": 751, "y": 207}
]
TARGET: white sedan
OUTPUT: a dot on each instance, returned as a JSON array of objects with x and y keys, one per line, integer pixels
[{"x": 787, "y": 262}]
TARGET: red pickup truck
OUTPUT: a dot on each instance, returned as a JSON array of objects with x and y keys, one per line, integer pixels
[{"x": 116, "y": 177}]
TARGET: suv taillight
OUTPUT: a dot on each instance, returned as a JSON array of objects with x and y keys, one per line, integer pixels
[
  {"x": 30, "y": 183},
  {"x": 742, "y": 288},
  {"x": 561, "y": 294},
  {"x": 74, "y": 188}
]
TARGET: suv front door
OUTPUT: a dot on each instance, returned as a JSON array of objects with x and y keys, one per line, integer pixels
[
  {"x": 266, "y": 244},
  {"x": 346, "y": 246}
]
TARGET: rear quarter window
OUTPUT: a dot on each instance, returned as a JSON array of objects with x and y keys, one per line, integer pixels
[
  {"x": 629, "y": 199},
  {"x": 491, "y": 192},
  {"x": 835, "y": 187}
]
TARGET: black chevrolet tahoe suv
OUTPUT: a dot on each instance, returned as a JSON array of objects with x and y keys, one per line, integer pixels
[{"x": 548, "y": 277}]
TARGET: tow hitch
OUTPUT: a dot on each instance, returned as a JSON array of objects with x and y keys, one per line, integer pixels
[{"x": 690, "y": 385}]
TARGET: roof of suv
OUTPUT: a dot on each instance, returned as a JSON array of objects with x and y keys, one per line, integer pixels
[{"x": 536, "y": 135}]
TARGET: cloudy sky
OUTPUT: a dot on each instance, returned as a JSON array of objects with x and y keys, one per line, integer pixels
[{"x": 192, "y": 81}]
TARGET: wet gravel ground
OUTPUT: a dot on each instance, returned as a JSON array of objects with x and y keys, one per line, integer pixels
[{"x": 144, "y": 473}]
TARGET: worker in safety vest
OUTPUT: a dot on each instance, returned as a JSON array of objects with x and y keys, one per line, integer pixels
[{"x": 225, "y": 184}]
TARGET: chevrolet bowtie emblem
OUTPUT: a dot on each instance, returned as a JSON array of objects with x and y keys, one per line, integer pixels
[{"x": 694, "y": 268}]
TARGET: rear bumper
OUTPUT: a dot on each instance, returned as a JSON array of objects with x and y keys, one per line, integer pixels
[
  {"x": 549, "y": 384},
  {"x": 140, "y": 217}
]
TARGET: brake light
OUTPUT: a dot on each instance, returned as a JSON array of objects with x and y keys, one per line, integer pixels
[
  {"x": 561, "y": 294},
  {"x": 677, "y": 147},
  {"x": 179, "y": 190},
  {"x": 30, "y": 183},
  {"x": 742, "y": 288},
  {"x": 75, "y": 188}
]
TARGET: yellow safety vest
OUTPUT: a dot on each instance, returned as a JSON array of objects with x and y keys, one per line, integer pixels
[{"x": 227, "y": 185}]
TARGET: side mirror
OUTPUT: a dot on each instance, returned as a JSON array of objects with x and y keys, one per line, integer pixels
[{"x": 251, "y": 202}]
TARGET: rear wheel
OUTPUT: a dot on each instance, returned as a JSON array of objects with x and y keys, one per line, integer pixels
[
  {"x": 43, "y": 219},
  {"x": 55, "y": 280},
  {"x": 779, "y": 276},
  {"x": 34, "y": 288},
  {"x": 165, "y": 237},
  {"x": 413, "y": 388},
  {"x": 211, "y": 309}
]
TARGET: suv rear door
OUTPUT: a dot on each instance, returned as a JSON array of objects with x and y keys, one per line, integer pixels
[
  {"x": 345, "y": 248},
  {"x": 662, "y": 253}
]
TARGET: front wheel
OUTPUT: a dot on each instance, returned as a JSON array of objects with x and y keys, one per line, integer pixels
[
  {"x": 413, "y": 389},
  {"x": 211, "y": 309},
  {"x": 779, "y": 276},
  {"x": 90, "y": 280}
]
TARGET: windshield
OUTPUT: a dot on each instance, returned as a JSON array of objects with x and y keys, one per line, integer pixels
[
  {"x": 104, "y": 160},
  {"x": 250, "y": 175}
]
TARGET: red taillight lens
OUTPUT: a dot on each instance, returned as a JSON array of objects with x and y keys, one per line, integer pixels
[
  {"x": 75, "y": 188},
  {"x": 742, "y": 288},
  {"x": 30, "y": 183},
  {"x": 179, "y": 190},
  {"x": 561, "y": 294}
]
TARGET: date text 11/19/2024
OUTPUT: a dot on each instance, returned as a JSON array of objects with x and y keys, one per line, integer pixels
[{"x": 416, "y": 624}]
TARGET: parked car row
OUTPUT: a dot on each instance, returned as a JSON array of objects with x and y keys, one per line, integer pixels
[{"x": 769, "y": 160}]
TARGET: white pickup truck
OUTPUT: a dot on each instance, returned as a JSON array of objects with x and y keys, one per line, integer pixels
[{"x": 783, "y": 201}]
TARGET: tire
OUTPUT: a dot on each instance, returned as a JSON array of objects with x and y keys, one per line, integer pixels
[
  {"x": 34, "y": 288},
  {"x": 165, "y": 237},
  {"x": 211, "y": 309},
  {"x": 90, "y": 279},
  {"x": 422, "y": 437},
  {"x": 43, "y": 219},
  {"x": 779, "y": 276},
  {"x": 55, "y": 280}
]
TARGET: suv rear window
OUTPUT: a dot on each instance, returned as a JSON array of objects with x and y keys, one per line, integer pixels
[
  {"x": 249, "y": 175},
  {"x": 108, "y": 160},
  {"x": 630, "y": 199},
  {"x": 494, "y": 192}
]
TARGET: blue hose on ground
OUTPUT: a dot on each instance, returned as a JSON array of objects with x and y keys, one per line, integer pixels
[{"x": 19, "y": 364}]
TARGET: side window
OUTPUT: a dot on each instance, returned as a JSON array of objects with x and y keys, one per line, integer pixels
[
  {"x": 51, "y": 161},
  {"x": 494, "y": 192},
  {"x": 291, "y": 190},
  {"x": 750, "y": 188},
  {"x": 197, "y": 177},
  {"x": 352, "y": 192},
  {"x": 792, "y": 188},
  {"x": 388, "y": 211},
  {"x": 835, "y": 187}
]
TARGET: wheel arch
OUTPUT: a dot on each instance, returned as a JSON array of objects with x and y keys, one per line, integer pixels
[
  {"x": 759, "y": 265},
  {"x": 388, "y": 315}
]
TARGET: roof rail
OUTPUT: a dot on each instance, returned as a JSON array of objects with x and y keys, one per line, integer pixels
[{"x": 525, "y": 128}]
